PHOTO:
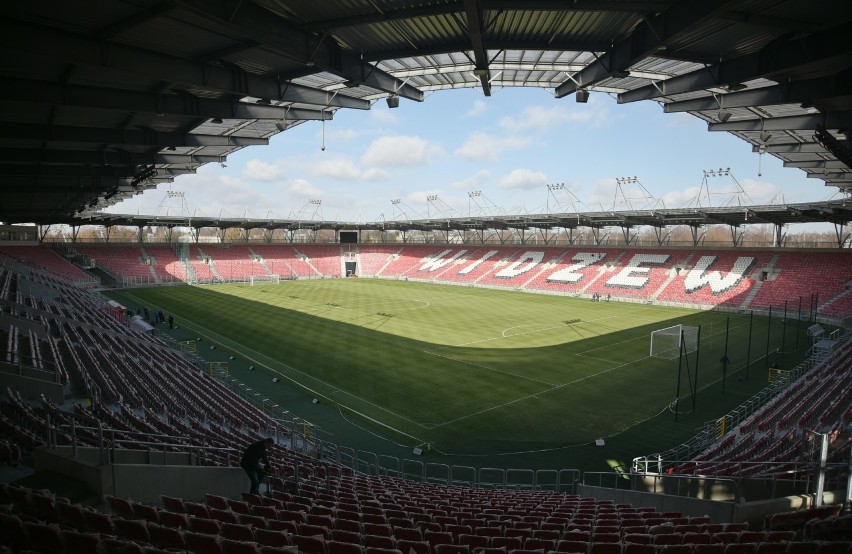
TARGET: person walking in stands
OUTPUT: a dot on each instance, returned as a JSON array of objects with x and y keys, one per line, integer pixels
[
  {"x": 250, "y": 462},
  {"x": 171, "y": 321}
]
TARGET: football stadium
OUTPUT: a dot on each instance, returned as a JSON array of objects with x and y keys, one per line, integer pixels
[{"x": 638, "y": 379}]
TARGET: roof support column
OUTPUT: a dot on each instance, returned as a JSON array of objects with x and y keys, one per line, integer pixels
[
  {"x": 737, "y": 236},
  {"x": 658, "y": 233},
  {"x": 75, "y": 229},
  {"x": 169, "y": 234},
  {"x": 107, "y": 232},
  {"x": 779, "y": 237},
  {"x": 844, "y": 239},
  {"x": 571, "y": 238},
  {"x": 625, "y": 231},
  {"x": 697, "y": 239}
]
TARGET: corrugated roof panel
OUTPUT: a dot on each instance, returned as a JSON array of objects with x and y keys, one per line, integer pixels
[{"x": 159, "y": 35}]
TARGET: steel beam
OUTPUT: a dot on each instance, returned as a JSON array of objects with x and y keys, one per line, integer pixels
[
  {"x": 99, "y": 157},
  {"x": 790, "y": 148},
  {"x": 831, "y": 120},
  {"x": 645, "y": 41},
  {"x": 118, "y": 137},
  {"x": 289, "y": 40},
  {"x": 817, "y": 164},
  {"x": 476, "y": 30},
  {"x": 796, "y": 92},
  {"x": 829, "y": 177},
  {"x": 773, "y": 59},
  {"x": 79, "y": 170},
  {"x": 28, "y": 39},
  {"x": 171, "y": 104}
]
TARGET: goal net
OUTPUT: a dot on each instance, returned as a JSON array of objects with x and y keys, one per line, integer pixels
[
  {"x": 666, "y": 343},
  {"x": 264, "y": 280}
]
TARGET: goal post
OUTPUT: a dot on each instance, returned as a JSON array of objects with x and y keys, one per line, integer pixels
[
  {"x": 264, "y": 280},
  {"x": 667, "y": 343}
]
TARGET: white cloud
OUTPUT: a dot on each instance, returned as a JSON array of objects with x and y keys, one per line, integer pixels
[
  {"x": 539, "y": 118},
  {"x": 346, "y": 170},
  {"x": 523, "y": 179},
  {"x": 482, "y": 146},
  {"x": 258, "y": 170},
  {"x": 479, "y": 107},
  {"x": 760, "y": 192},
  {"x": 343, "y": 134},
  {"x": 401, "y": 151},
  {"x": 304, "y": 188},
  {"x": 475, "y": 181},
  {"x": 680, "y": 198},
  {"x": 385, "y": 117}
]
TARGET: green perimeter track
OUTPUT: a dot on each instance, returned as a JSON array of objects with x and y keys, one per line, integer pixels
[{"x": 482, "y": 377}]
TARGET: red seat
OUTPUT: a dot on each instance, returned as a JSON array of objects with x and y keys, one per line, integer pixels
[
  {"x": 378, "y": 541},
  {"x": 269, "y": 537},
  {"x": 203, "y": 525},
  {"x": 132, "y": 529},
  {"x": 335, "y": 547},
  {"x": 80, "y": 543},
  {"x": 43, "y": 537},
  {"x": 230, "y": 546},
  {"x": 166, "y": 537},
  {"x": 313, "y": 544},
  {"x": 639, "y": 548},
  {"x": 236, "y": 532},
  {"x": 417, "y": 547},
  {"x": 173, "y": 519}
]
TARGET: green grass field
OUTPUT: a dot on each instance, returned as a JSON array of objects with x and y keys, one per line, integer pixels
[{"x": 482, "y": 376}]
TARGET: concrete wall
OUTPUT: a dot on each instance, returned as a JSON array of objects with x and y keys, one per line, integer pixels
[
  {"x": 31, "y": 386},
  {"x": 719, "y": 511},
  {"x": 132, "y": 477}
]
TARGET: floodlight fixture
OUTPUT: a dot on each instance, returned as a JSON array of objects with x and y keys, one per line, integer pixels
[
  {"x": 765, "y": 136},
  {"x": 264, "y": 101},
  {"x": 582, "y": 96},
  {"x": 735, "y": 87},
  {"x": 724, "y": 115},
  {"x": 393, "y": 101},
  {"x": 432, "y": 197},
  {"x": 558, "y": 186},
  {"x": 474, "y": 193},
  {"x": 216, "y": 120},
  {"x": 621, "y": 74}
]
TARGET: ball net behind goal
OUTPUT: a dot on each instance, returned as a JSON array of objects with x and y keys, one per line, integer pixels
[
  {"x": 264, "y": 279},
  {"x": 667, "y": 343}
]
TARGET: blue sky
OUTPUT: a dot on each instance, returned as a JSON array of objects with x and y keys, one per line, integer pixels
[{"x": 508, "y": 147}]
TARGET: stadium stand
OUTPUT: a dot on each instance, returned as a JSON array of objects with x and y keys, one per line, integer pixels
[
  {"x": 331, "y": 505},
  {"x": 47, "y": 260},
  {"x": 372, "y": 258},
  {"x": 733, "y": 279},
  {"x": 235, "y": 262},
  {"x": 285, "y": 260}
]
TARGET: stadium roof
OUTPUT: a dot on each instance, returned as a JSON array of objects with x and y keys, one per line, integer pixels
[
  {"x": 103, "y": 99},
  {"x": 838, "y": 212}
]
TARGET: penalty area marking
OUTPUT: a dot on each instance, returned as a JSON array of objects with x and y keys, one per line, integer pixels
[{"x": 536, "y": 394}]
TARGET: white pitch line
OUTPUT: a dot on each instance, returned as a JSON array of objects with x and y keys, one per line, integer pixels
[
  {"x": 553, "y": 388},
  {"x": 237, "y": 347},
  {"x": 433, "y": 353},
  {"x": 502, "y": 337}
]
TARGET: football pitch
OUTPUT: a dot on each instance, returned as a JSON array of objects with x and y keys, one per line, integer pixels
[{"x": 470, "y": 371}]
